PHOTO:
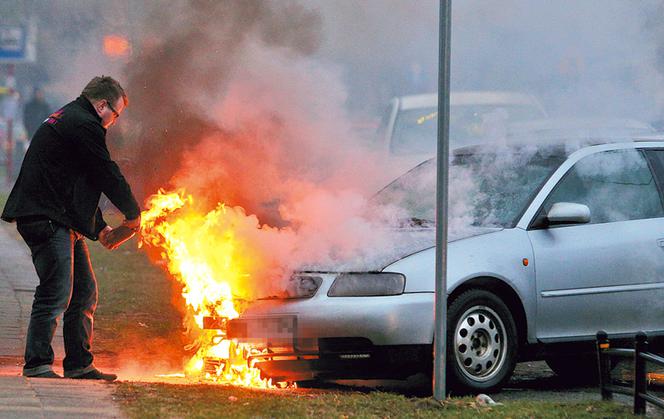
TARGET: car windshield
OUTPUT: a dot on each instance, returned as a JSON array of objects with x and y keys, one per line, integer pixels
[
  {"x": 415, "y": 130},
  {"x": 487, "y": 188}
]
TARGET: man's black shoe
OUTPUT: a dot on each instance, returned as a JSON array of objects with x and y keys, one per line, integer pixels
[
  {"x": 47, "y": 374},
  {"x": 96, "y": 375}
]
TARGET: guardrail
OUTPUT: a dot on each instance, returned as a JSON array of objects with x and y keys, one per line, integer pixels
[{"x": 639, "y": 389}]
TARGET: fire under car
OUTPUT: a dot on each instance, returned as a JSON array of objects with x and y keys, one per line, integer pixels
[{"x": 548, "y": 245}]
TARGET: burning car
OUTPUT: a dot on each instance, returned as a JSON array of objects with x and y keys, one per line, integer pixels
[{"x": 548, "y": 245}]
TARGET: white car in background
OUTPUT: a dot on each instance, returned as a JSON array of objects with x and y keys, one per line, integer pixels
[
  {"x": 408, "y": 129},
  {"x": 585, "y": 129}
]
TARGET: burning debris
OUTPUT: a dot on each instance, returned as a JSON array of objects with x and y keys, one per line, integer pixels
[{"x": 204, "y": 253}]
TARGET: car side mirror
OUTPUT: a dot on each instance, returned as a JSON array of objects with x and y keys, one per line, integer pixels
[{"x": 568, "y": 213}]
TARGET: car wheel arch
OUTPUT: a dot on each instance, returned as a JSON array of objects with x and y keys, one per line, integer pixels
[{"x": 502, "y": 290}]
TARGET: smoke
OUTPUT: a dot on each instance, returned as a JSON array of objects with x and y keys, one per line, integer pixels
[
  {"x": 191, "y": 52},
  {"x": 233, "y": 108},
  {"x": 247, "y": 103},
  {"x": 282, "y": 131},
  {"x": 591, "y": 58},
  {"x": 585, "y": 59}
]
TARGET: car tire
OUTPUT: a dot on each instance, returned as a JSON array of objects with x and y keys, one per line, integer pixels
[
  {"x": 482, "y": 342},
  {"x": 580, "y": 368}
]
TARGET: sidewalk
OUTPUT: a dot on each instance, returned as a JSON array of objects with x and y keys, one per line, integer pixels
[{"x": 22, "y": 397}]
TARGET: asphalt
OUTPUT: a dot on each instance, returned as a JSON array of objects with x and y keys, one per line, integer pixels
[{"x": 22, "y": 397}]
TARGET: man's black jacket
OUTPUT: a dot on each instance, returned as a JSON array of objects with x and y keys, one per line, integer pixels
[{"x": 65, "y": 170}]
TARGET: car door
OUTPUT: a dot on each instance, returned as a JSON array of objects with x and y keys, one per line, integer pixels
[{"x": 607, "y": 274}]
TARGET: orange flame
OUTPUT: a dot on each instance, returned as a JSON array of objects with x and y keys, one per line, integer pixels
[{"x": 202, "y": 252}]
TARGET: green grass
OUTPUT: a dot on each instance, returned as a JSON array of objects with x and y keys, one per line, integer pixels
[{"x": 141, "y": 400}]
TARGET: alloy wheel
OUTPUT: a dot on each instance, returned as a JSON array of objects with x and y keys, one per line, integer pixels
[{"x": 480, "y": 343}]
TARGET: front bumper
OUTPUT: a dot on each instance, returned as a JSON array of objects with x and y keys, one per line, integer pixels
[
  {"x": 405, "y": 319},
  {"x": 339, "y": 337},
  {"x": 345, "y": 359}
]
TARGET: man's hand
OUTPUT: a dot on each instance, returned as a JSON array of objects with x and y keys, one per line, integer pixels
[
  {"x": 134, "y": 224},
  {"x": 112, "y": 238},
  {"x": 103, "y": 237}
]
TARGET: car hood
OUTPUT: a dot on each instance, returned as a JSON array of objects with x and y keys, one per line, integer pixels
[{"x": 403, "y": 242}]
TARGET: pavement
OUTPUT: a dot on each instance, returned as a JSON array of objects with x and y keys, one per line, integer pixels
[{"x": 22, "y": 397}]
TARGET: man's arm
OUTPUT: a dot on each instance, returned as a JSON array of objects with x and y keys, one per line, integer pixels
[{"x": 104, "y": 171}]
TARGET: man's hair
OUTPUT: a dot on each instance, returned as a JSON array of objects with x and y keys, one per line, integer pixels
[{"x": 105, "y": 87}]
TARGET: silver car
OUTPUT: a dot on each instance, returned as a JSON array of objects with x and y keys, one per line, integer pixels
[{"x": 548, "y": 245}]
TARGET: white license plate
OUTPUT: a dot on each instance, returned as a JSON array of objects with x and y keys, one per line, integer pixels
[{"x": 277, "y": 331}]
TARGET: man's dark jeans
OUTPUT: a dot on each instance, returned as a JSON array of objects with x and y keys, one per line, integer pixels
[{"x": 66, "y": 284}]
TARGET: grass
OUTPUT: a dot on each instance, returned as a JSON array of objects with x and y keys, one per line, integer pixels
[{"x": 200, "y": 401}]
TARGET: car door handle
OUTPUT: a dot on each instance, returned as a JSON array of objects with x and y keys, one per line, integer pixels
[{"x": 660, "y": 242}]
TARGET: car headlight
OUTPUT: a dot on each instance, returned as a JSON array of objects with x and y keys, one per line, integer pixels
[
  {"x": 303, "y": 286},
  {"x": 367, "y": 284}
]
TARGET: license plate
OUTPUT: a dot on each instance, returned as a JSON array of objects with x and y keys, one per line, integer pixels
[{"x": 272, "y": 332}]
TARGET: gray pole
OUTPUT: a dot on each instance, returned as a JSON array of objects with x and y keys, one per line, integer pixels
[{"x": 440, "y": 340}]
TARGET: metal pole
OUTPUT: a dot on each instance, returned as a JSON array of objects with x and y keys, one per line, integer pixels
[
  {"x": 9, "y": 144},
  {"x": 640, "y": 380},
  {"x": 440, "y": 334},
  {"x": 603, "y": 362},
  {"x": 10, "y": 152}
]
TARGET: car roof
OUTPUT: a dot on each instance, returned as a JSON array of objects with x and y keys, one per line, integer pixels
[
  {"x": 477, "y": 97},
  {"x": 584, "y": 123},
  {"x": 652, "y": 137},
  {"x": 563, "y": 147}
]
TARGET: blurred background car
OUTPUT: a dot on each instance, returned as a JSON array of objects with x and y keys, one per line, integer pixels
[
  {"x": 598, "y": 129},
  {"x": 409, "y": 125}
]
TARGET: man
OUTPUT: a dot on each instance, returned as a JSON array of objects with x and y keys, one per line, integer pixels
[
  {"x": 35, "y": 111},
  {"x": 55, "y": 205}
]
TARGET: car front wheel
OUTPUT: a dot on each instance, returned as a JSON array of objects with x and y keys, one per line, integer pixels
[{"x": 482, "y": 342}]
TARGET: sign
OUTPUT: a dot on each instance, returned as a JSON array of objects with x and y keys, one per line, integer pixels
[{"x": 17, "y": 44}]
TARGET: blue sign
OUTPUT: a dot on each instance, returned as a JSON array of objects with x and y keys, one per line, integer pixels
[{"x": 14, "y": 44}]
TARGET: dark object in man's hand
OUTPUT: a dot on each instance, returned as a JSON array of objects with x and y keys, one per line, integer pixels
[{"x": 118, "y": 236}]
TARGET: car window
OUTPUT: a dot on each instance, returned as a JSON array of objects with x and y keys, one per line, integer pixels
[
  {"x": 656, "y": 159},
  {"x": 414, "y": 192},
  {"x": 616, "y": 185},
  {"x": 415, "y": 131}
]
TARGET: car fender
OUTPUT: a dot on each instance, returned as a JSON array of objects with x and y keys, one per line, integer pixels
[{"x": 505, "y": 255}]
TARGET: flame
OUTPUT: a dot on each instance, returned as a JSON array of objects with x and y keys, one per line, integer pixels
[{"x": 202, "y": 251}]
